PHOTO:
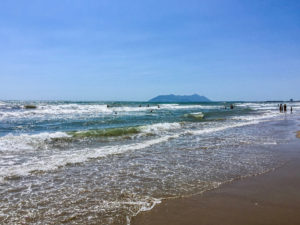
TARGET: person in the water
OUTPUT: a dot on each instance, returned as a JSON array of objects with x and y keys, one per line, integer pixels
[
  {"x": 280, "y": 108},
  {"x": 291, "y": 109},
  {"x": 284, "y": 107}
]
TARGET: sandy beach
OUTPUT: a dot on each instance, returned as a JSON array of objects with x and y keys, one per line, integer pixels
[{"x": 270, "y": 198}]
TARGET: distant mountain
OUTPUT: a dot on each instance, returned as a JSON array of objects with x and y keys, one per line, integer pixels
[{"x": 180, "y": 98}]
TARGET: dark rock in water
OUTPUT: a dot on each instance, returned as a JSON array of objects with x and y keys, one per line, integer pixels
[
  {"x": 180, "y": 98},
  {"x": 30, "y": 107}
]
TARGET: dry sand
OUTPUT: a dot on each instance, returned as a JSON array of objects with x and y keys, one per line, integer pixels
[{"x": 271, "y": 198}]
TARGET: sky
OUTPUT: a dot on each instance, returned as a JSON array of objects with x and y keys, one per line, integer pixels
[{"x": 138, "y": 49}]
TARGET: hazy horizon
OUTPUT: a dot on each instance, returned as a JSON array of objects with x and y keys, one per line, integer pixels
[{"x": 146, "y": 100}]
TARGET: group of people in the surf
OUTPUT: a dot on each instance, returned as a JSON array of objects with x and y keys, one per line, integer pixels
[
  {"x": 110, "y": 106},
  {"x": 283, "y": 108},
  {"x": 151, "y": 109},
  {"x": 231, "y": 106},
  {"x": 149, "y": 106}
]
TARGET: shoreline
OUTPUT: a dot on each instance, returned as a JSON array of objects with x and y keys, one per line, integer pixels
[{"x": 269, "y": 198}]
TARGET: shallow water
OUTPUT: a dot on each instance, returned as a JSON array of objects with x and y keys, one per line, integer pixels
[{"x": 86, "y": 163}]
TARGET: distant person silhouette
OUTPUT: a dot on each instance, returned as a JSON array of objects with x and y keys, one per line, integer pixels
[
  {"x": 280, "y": 108},
  {"x": 231, "y": 106},
  {"x": 291, "y": 109},
  {"x": 284, "y": 107}
]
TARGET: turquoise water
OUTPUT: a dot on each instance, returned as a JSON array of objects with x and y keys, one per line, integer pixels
[{"x": 103, "y": 162}]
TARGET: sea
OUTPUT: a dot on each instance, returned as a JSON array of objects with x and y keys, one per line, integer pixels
[{"x": 64, "y": 162}]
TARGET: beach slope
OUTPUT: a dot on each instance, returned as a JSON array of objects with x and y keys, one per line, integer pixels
[{"x": 271, "y": 198}]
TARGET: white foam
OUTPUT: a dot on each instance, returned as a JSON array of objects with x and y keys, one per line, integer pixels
[
  {"x": 267, "y": 106},
  {"x": 61, "y": 158},
  {"x": 220, "y": 128},
  {"x": 267, "y": 115},
  {"x": 74, "y": 110},
  {"x": 52, "y": 111},
  {"x": 160, "y": 127},
  {"x": 55, "y": 159},
  {"x": 27, "y": 141},
  {"x": 145, "y": 206},
  {"x": 23, "y": 142},
  {"x": 57, "y": 111}
]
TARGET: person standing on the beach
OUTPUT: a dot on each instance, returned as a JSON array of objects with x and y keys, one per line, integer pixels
[
  {"x": 280, "y": 108},
  {"x": 291, "y": 109},
  {"x": 284, "y": 107}
]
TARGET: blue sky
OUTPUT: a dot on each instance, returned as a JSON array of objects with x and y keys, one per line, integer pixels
[{"x": 135, "y": 50}]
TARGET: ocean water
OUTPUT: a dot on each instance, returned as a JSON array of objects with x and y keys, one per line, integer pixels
[{"x": 104, "y": 162}]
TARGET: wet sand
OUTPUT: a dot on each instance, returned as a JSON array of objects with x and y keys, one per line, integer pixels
[{"x": 270, "y": 198}]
